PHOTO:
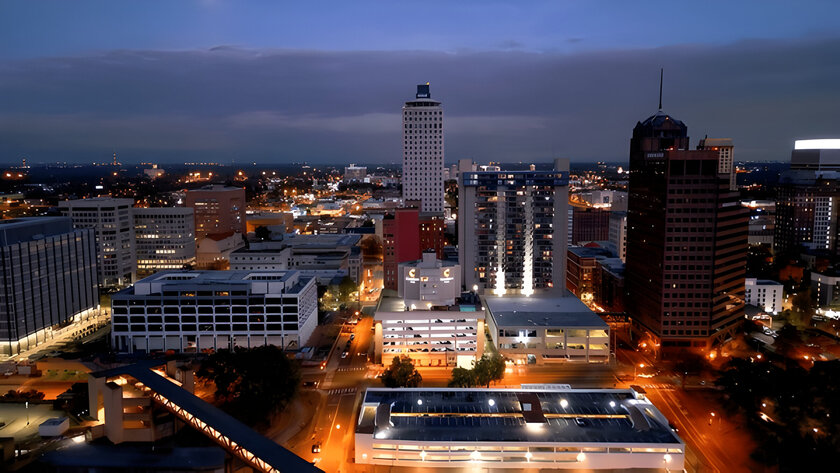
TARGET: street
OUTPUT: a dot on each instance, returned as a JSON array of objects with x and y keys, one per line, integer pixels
[{"x": 722, "y": 446}]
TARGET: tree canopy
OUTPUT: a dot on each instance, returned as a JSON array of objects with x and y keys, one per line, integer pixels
[
  {"x": 790, "y": 410},
  {"x": 462, "y": 378},
  {"x": 262, "y": 233},
  {"x": 485, "y": 370},
  {"x": 401, "y": 374},
  {"x": 252, "y": 384},
  {"x": 346, "y": 288}
]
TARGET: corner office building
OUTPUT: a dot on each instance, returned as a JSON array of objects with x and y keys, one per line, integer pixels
[
  {"x": 113, "y": 222},
  {"x": 194, "y": 311},
  {"x": 49, "y": 279},
  {"x": 512, "y": 229},
  {"x": 686, "y": 239},
  {"x": 529, "y": 429}
]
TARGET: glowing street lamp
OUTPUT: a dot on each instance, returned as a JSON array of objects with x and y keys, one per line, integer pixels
[{"x": 641, "y": 365}]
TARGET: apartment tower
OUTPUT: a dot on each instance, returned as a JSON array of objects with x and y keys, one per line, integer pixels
[{"x": 512, "y": 229}]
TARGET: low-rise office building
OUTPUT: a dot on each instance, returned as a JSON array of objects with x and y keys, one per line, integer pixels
[
  {"x": 764, "y": 293},
  {"x": 327, "y": 252},
  {"x": 546, "y": 329},
  {"x": 214, "y": 250},
  {"x": 521, "y": 429},
  {"x": 608, "y": 285},
  {"x": 826, "y": 287},
  {"x": 113, "y": 224},
  {"x": 49, "y": 279},
  {"x": 192, "y": 311},
  {"x": 164, "y": 238}
]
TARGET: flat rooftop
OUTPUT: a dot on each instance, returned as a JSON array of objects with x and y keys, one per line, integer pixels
[
  {"x": 590, "y": 251},
  {"x": 210, "y": 277},
  {"x": 542, "y": 311},
  {"x": 766, "y": 282},
  {"x": 574, "y": 416},
  {"x": 22, "y": 229}
]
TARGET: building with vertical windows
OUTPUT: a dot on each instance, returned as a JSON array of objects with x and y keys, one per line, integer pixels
[
  {"x": 113, "y": 224},
  {"x": 49, "y": 279},
  {"x": 218, "y": 209},
  {"x": 686, "y": 240},
  {"x": 422, "y": 176},
  {"x": 589, "y": 224},
  {"x": 195, "y": 311},
  {"x": 512, "y": 229},
  {"x": 164, "y": 238},
  {"x": 765, "y": 294},
  {"x": 580, "y": 268},
  {"x": 726, "y": 157},
  {"x": 400, "y": 242},
  {"x": 618, "y": 233},
  {"x": 807, "y": 199}
]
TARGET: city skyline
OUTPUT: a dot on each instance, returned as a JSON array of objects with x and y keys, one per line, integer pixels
[{"x": 215, "y": 92}]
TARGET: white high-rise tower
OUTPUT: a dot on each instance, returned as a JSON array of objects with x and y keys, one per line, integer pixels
[{"x": 422, "y": 177}]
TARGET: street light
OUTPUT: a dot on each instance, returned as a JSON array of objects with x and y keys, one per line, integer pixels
[{"x": 641, "y": 365}]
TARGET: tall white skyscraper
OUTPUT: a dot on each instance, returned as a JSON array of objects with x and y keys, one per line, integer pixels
[{"x": 422, "y": 176}]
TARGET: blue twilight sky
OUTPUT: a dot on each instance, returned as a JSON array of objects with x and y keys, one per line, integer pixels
[{"x": 323, "y": 81}]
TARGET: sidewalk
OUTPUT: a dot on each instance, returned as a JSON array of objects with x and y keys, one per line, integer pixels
[{"x": 87, "y": 325}]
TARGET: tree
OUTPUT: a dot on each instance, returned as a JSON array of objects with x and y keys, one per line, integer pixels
[
  {"x": 462, "y": 378},
  {"x": 689, "y": 363},
  {"x": 252, "y": 384},
  {"x": 346, "y": 288},
  {"x": 371, "y": 247},
  {"x": 489, "y": 369},
  {"x": 401, "y": 374},
  {"x": 803, "y": 305},
  {"x": 262, "y": 233}
]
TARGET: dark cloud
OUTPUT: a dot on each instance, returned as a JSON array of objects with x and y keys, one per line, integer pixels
[{"x": 279, "y": 105}]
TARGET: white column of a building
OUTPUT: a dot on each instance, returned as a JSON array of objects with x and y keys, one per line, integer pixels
[
  {"x": 501, "y": 246},
  {"x": 528, "y": 256}
]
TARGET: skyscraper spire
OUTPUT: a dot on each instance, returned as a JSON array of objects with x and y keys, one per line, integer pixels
[{"x": 661, "y": 73}]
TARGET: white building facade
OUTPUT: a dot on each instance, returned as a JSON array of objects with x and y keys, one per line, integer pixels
[
  {"x": 422, "y": 176},
  {"x": 111, "y": 220},
  {"x": 164, "y": 238},
  {"x": 764, "y": 294},
  {"x": 453, "y": 337},
  {"x": 618, "y": 234},
  {"x": 429, "y": 282},
  {"x": 195, "y": 311},
  {"x": 726, "y": 156}
]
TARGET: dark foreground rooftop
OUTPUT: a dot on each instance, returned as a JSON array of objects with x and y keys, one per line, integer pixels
[{"x": 518, "y": 415}]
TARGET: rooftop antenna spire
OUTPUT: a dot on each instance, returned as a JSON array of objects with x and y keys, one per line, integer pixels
[{"x": 661, "y": 74}]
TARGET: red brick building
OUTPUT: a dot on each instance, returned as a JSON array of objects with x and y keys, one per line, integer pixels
[
  {"x": 218, "y": 209},
  {"x": 406, "y": 234}
]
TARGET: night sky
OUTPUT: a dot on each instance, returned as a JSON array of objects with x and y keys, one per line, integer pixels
[{"x": 323, "y": 82}]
